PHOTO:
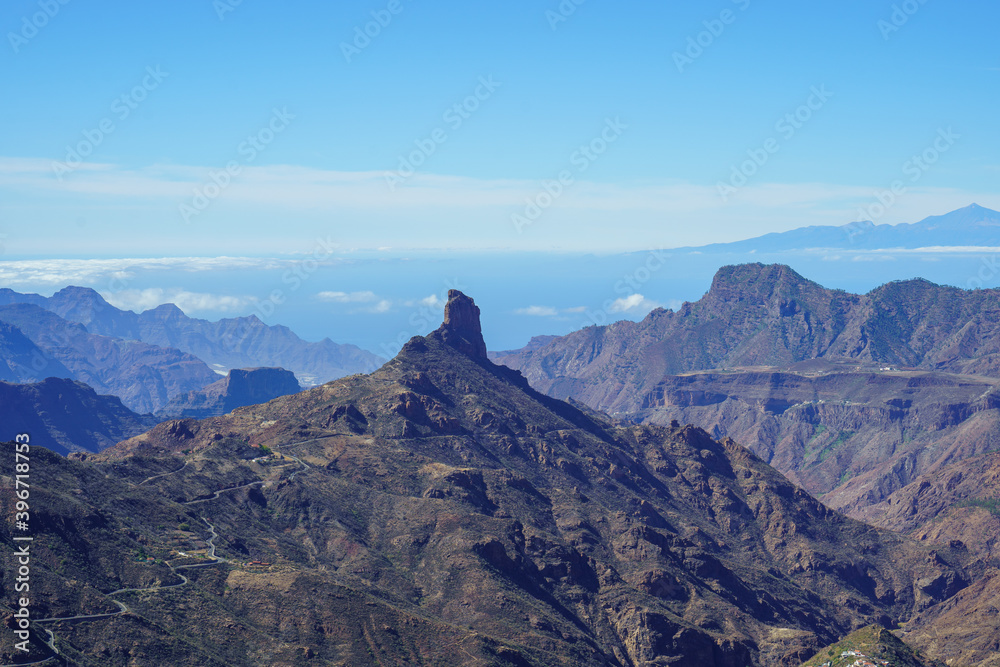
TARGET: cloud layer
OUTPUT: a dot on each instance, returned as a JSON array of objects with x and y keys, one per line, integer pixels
[{"x": 428, "y": 211}]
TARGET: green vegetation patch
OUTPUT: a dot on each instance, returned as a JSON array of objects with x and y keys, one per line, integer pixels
[
  {"x": 990, "y": 504},
  {"x": 872, "y": 645}
]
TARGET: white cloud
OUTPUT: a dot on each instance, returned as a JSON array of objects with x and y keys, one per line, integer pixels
[
  {"x": 633, "y": 304},
  {"x": 588, "y": 216},
  {"x": 85, "y": 272},
  {"x": 189, "y": 302},
  {"x": 538, "y": 311},
  {"x": 874, "y": 258},
  {"x": 348, "y": 297},
  {"x": 432, "y": 301},
  {"x": 373, "y": 303}
]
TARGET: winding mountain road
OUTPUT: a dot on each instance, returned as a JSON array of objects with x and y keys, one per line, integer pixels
[
  {"x": 123, "y": 608},
  {"x": 215, "y": 495},
  {"x": 172, "y": 472}
]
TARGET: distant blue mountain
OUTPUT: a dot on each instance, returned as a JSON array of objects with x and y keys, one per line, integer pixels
[
  {"x": 243, "y": 342},
  {"x": 973, "y": 225}
]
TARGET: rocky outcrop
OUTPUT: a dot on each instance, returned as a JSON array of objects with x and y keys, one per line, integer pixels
[
  {"x": 241, "y": 387},
  {"x": 871, "y": 645},
  {"x": 461, "y": 327}
]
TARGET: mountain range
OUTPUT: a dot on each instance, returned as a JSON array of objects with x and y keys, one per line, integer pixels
[
  {"x": 769, "y": 315},
  {"x": 144, "y": 376},
  {"x": 456, "y": 516},
  {"x": 851, "y": 396},
  {"x": 972, "y": 225},
  {"x": 241, "y": 342},
  {"x": 151, "y": 358},
  {"x": 474, "y": 517}
]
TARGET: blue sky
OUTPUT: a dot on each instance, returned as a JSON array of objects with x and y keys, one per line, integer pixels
[
  {"x": 218, "y": 128},
  {"x": 225, "y": 71}
]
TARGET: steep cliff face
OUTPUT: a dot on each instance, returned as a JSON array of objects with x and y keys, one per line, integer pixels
[
  {"x": 820, "y": 383},
  {"x": 23, "y": 361},
  {"x": 240, "y": 387},
  {"x": 461, "y": 327},
  {"x": 66, "y": 416},
  {"x": 757, "y": 315},
  {"x": 850, "y": 437}
]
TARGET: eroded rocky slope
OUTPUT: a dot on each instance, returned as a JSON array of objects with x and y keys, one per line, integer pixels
[{"x": 440, "y": 510}]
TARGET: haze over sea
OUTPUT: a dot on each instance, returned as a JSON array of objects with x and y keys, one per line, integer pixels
[{"x": 378, "y": 300}]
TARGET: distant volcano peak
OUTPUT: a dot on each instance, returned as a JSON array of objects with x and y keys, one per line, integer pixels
[{"x": 461, "y": 328}]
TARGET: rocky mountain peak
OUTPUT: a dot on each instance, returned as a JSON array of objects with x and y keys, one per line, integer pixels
[
  {"x": 80, "y": 294},
  {"x": 759, "y": 283},
  {"x": 166, "y": 310},
  {"x": 461, "y": 328}
]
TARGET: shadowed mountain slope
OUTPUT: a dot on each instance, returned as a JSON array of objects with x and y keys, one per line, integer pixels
[
  {"x": 22, "y": 361},
  {"x": 66, "y": 416}
]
